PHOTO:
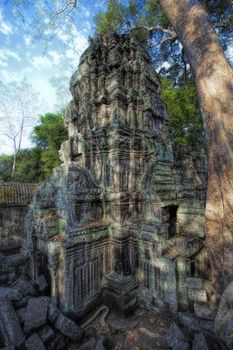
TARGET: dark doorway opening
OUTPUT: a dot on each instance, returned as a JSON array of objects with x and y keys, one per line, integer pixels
[
  {"x": 172, "y": 219},
  {"x": 42, "y": 268},
  {"x": 192, "y": 268}
]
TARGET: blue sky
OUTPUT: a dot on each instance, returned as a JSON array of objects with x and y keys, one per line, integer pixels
[{"x": 21, "y": 56}]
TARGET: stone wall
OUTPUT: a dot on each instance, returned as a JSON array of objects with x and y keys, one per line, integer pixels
[{"x": 14, "y": 202}]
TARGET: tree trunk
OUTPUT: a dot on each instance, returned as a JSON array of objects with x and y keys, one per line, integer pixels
[
  {"x": 214, "y": 81},
  {"x": 14, "y": 157}
]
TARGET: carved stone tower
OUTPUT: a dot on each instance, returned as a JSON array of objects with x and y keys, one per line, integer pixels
[
  {"x": 106, "y": 222},
  {"x": 118, "y": 131}
]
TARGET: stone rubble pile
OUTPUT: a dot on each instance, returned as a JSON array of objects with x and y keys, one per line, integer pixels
[
  {"x": 29, "y": 320},
  {"x": 190, "y": 332}
]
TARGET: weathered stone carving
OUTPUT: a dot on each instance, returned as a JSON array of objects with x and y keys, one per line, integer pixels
[
  {"x": 14, "y": 202},
  {"x": 116, "y": 223}
]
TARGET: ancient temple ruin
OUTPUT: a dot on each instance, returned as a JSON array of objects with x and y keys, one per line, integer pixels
[
  {"x": 14, "y": 202},
  {"x": 122, "y": 219}
]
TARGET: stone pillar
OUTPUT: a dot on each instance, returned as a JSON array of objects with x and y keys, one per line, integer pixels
[{"x": 181, "y": 275}]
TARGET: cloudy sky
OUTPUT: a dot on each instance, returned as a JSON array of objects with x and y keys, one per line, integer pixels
[{"x": 22, "y": 56}]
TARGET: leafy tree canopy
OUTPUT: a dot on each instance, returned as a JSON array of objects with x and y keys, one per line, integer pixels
[
  {"x": 28, "y": 168},
  {"x": 36, "y": 164},
  {"x": 185, "y": 121},
  {"x": 48, "y": 136},
  {"x": 148, "y": 23},
  {"x": 50, "y": 132}
]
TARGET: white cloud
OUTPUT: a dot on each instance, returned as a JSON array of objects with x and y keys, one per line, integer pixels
[
  {"x": 85, "y": 11},
  {"x": 87, "y": 27},
  {"x": 5, "y": 54},
  {"x": 55, "y": 56},
  {"x": 41, "y": 62},
  {"x": 27, "y": 39},
  {"x": 75, "y": 43},
  {"x": 74, "y": 39},
  {"x": 5, "y": 28}
]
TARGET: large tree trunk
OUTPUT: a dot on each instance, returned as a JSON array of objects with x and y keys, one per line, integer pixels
[{"x": 214, "y": 81}]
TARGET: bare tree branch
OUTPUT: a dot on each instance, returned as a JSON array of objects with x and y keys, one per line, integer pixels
[{"x": 18, "y": 103}]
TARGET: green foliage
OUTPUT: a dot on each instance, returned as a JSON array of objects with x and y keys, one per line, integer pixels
[
  {"x": 28, "y": 167},
  {"x": 36, "y": 164},
  {"x": 50, "y": 131},
  {"x": 145, "y": 20},
  {"x": 5, "y": 167},
  {"x": 112, "y": 19},
  {"x": 185, "y": 121},
  {"x": 48, "y": 136}
]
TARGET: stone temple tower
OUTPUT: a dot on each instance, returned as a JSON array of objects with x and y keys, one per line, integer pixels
[{"x": 104, "y": 228}]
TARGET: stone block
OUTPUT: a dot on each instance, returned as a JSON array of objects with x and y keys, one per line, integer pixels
[
  {"x": 193, "y": 282},
  {"x": 198, "y": 295},
  {"x": 202, "y": 342},
  {"x": 189, "y": 321},
  {"x": 68, "y": 328},
  {"x": 10, "y": 328},
  {"x": 207, "y": 325},
  {"x": 10, "y": 294},
  {"x": 34, "y": 343},
  {"x": 21, "y": 314},
  {"x": 42, "y": 283},
  {"x": 26, "y": 286},
  {"x": 199, "y": 342},
  {"x": 53, "y": 312},
  {"x": 182, "y": 346},
  {"x": 89, "y": 345},
  {"x": 58, "y": 342},
  {"x": 203, "y": 311},
  {"x": 100, "y": 344},
  {"x": 36, "y": 313},
  {"x": 46, "y": 334},
  {"x": 175, "y": 335},
  {"x": 207, "y": 285}
]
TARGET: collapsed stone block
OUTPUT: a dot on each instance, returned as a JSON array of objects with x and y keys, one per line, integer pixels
[
  {"x": 189, "y": 321},
  {"x": 205, "y": 311},
  {"x": 175, "y": 336},
  {"x": 10, "y": 328},
  {"x": 36, "y": 313},
  {"x": 198, "y": 295},
  {"x": 21, "y": 314},
  {"x": 58, "y": 342},
  {"x": 42, "y": 283},
  {"x": 182, "y": 346},
  {"x": 194, "y": 283},
  {"x": 34, "y": 343},
  {"x": 64, "y": 324},
  {"x": 68, "y": 328},
  {"x": 204, "y": 343},
  {"x": 46, "y": 334}
]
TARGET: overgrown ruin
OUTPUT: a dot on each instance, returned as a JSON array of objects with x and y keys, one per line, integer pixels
[{"x": 121, "y": 221}]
